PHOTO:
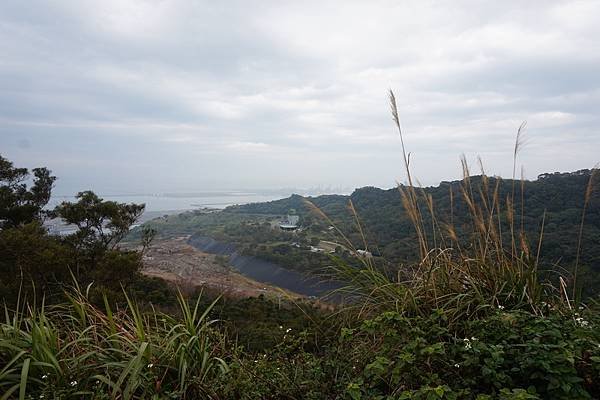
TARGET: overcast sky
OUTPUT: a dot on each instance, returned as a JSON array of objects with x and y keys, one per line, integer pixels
[{"x": 124, "y": 96}]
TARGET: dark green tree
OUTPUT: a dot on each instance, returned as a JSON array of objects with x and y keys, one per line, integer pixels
[
  {"x": 35, "y": 264},
  {"x": 32, "y": 262},
  {"x": 20, "y": 204},
  {"x": 101, "y": 224}
]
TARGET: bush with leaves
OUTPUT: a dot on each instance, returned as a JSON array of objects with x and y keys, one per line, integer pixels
[{"x": 555, "y": 356}]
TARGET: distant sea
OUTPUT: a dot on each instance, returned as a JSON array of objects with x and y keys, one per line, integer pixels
[
  {"x": 169, "y": 203},
  {"x": 158, "y": 204},
  {"x": 172, "y": 202}
]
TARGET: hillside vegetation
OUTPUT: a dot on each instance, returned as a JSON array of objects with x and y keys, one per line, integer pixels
[
  {"x": 469, "y": 313},
  {"x": 559, "y": 197},
  {"x": 556, "y": 200}
]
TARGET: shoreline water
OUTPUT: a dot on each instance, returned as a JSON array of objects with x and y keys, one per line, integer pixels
[
  {"x": 158, "y": 205},
  {"x": 182, "y": 202}
]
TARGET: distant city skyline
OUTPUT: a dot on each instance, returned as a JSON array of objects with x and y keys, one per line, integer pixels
[{"x": 147, "y": 96}]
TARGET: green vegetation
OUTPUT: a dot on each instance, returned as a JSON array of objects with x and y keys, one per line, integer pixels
[
  {"x": 387, "y": 226},
  {"x": 18, "y": 204},
  {"x": 253, "y": 234},
  {"x": 77, "y": 350},
  {"x": 35, "y": 264},
  {"x": 553, "y": 202},
  {"x": 555, "y": 199},
  {"x": 472, "y": 311}
]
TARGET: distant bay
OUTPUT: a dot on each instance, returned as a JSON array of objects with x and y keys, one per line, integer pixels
[
  {"x": 184, "y": 201},
  {"x": 168, "y": 203}
]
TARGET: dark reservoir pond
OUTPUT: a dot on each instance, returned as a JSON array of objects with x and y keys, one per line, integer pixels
[{"x": 265, "y": 271}]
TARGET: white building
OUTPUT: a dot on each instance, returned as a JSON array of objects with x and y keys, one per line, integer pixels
[{"x": 290, "y": 223}]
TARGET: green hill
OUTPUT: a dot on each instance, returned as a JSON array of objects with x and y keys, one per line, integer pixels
[{"x": 389, "y": 231}]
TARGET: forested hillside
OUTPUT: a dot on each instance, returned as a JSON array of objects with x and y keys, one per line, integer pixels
[{"x": 555, "y": 199}]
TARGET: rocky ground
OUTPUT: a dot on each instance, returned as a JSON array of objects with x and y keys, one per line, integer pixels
[{"x": 175, "y": 261}]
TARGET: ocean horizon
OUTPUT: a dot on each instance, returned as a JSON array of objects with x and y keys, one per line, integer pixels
[{"x": 182, "y": 201}]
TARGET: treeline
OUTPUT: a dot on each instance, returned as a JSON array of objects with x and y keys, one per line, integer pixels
[
  {"x": 38, "y": 266},
  {"x": 554, "y": 200}
]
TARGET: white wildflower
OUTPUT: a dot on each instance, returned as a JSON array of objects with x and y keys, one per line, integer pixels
[
  {"x": 500, "y": 307},
  {"x": 73, "y": 383},
  {"x": 150, "y": 365},
  {"x": 456, "y": 365},
  {"x": 581, "y": 322},
  {"x": 280, "y": 327},
  {"x": 288, "y": 330},
  {"x": 467, "y": 344},
  {"x": 45, "y": 376}
]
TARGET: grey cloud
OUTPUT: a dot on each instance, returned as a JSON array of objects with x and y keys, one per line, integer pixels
[{"x": 199, "y": 93}]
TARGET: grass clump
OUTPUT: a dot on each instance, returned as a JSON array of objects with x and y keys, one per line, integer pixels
[
  {"x": 76, "y": 350},
  {"x": 468, "y": 270}
]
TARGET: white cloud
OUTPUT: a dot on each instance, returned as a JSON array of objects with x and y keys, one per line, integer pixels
[{"x": 197, "y": 83}]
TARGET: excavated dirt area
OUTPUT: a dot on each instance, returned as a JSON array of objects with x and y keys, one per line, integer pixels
[{"x": 175, "y": 261}]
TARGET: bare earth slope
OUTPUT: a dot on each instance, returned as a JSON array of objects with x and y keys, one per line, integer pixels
[{"x": 175, "y": 261}]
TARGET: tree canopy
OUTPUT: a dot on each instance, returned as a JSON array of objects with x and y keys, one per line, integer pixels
[
  {"x": 99, "y": 222},
  {"x": 21, "y": 203},
  {"x": 34, "y": 263}
]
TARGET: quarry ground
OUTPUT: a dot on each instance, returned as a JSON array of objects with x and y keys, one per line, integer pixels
[{"x": 181, "y": 264}]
